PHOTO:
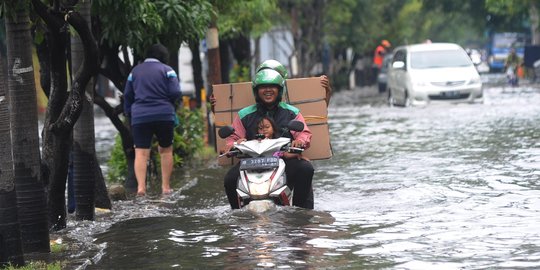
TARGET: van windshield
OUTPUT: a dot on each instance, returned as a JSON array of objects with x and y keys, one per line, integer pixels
[
  {"x": 439, "y": 59},
  {"x": 508, "y": 41}
]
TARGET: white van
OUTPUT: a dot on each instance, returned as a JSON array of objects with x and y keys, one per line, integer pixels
[{"x": 423, "y": 73}]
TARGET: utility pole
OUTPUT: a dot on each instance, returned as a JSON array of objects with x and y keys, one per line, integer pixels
[
  {"x": 214, "y": 62},
  {"x": 214, "y": 67}
]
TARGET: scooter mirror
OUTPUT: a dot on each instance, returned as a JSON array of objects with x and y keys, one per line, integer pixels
[
  {"x": 225, "y": 132},
  {"x": 295, "y": 125}
]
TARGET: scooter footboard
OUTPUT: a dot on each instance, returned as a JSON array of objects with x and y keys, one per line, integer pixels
[{"x": 283, "y": 195}]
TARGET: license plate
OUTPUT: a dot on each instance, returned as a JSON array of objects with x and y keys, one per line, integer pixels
[
  {"x": 450, "y": 93},
  {"x": 260, "y": 163}
]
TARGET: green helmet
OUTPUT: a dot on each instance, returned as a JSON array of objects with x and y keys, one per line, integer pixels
[
  {"x": 268, "y": 77},
  {"x": 274, "y": 65}
]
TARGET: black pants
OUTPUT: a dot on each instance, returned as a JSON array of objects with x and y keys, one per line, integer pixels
[{"x": 299, "y": 177}]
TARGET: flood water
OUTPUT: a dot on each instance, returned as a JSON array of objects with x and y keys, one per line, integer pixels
[{"x": 437, "y": 187}]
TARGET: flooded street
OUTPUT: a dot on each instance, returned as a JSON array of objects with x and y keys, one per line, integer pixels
[{"x": 437, "y": 187}]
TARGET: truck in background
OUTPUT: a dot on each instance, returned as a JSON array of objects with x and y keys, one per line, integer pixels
[{"x": 499, "y": 48}]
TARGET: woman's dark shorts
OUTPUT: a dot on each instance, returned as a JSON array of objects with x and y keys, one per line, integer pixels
[{"x": 143, "y": 133}]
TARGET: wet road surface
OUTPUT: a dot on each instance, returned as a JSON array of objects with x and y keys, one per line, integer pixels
[{"x": 437, "y": 187}]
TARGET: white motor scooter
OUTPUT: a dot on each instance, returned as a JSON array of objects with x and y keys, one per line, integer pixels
[{"x": 262, "y": 183}]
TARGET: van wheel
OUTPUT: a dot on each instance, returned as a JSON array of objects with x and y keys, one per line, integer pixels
[
  {"x": 390, "y": 99},
  {"x": 381, "y": 87},
  {"x": 407, "y": 102}
]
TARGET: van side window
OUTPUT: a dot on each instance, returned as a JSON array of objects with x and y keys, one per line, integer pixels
[{"x": 399, "y": 56}]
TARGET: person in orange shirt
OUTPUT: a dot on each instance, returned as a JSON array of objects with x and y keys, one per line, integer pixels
[{"x": 380, "y": 51}]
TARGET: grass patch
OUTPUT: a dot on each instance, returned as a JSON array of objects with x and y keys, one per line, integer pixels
[{"x": 39, "y": 265}]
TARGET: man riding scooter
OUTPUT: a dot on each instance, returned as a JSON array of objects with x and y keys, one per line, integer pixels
[{"x": 268, "y": 87}]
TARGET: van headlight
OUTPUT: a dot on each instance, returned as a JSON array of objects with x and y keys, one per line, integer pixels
[
  {"x": 420, "y": 83},
  {"x": 475, "y": 80}
]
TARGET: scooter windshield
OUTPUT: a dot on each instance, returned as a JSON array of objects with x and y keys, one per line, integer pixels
[{"x": 264, "y": 147}]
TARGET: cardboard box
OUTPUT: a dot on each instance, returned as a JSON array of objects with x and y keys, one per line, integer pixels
[{"x": 306, "y": 94}]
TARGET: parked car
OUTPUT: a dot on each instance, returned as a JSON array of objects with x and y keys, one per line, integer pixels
[
  {"x": 382, "y": 77},
  {"x": 423, "y": 73}
]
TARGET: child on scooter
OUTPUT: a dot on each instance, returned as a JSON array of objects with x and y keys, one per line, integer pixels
[{"x": 266, "y": 128}]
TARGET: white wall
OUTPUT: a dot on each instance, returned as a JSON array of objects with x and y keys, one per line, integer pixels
[
  {"x": 186, "y": 71},
  {"x": 276, "y": 44}
]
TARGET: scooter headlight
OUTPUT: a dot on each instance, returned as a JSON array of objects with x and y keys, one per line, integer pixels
[
  {"x": 281, "y": 181},
  {"x": 242, "y": 187}
]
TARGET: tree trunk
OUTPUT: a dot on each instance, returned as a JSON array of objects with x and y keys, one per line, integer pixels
[
  {"x": 241, "y": 49},
  {"x": 43, "y": 54},
  {"x": 31, "y": 199},
  {"x": 307, "y": 35},
  {"x": 10, "y": 234},
  {"x": 173, "y": 59},
  {"x": 89, "y": 68},
  {"x": 84, "y": 151},
  {"x": 197, "y": 71},
  {"x": 56, "y": 146},
  {"x": 214, "y": 63},
  {"x": 225, "y": 60},
  {"x": 214, "y": 69},
  {"x": 256, "y": 53},
  {"x": 101, "y": 195}
]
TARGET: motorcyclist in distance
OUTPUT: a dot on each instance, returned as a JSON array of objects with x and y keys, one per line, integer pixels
[
  {"x": 268, "y": 88},
  {"x": 511, "y": 66}
]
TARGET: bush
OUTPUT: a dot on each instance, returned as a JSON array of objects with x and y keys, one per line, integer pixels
[{"x": 117, "y": 164}]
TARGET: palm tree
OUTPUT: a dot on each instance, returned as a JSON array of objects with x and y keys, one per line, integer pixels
[
  {"x": 10, "y": 235},
  {"x": 31, "y": 199}
]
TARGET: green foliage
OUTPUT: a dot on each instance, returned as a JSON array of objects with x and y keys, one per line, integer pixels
[
  {"x": 131, "y": 23},
  {"x": 507, "y": 7},
  {"x": 57, "y": 248},
  {"x": 358, "y": 24},
  {"x": 140, "y": 23},
  {"x": 511, "y": 16},
  {"x": 117, "y": 163},
  {"x": 184, "y": 20},
  {"x": 252, "y": 18},
  {"x": 459, "y": 21},
  {"x": 239, "y": 73},
  {"x": 188, "y": 141},
  {"x": 361, "y": 25}
]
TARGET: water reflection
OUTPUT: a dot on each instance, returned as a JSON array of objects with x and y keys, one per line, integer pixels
[{"x": 236, "y": 240}]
